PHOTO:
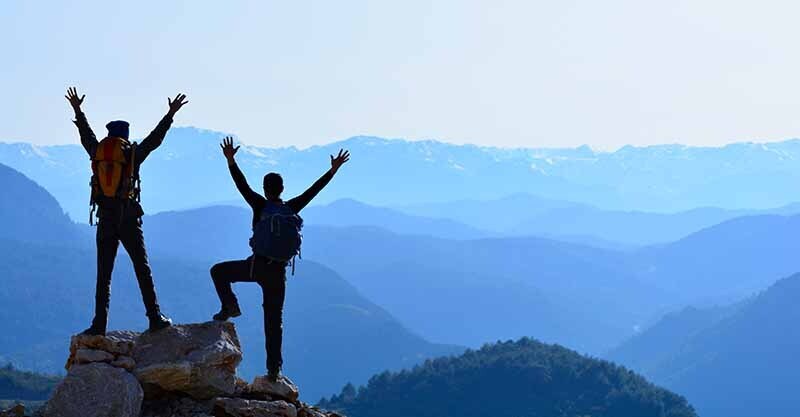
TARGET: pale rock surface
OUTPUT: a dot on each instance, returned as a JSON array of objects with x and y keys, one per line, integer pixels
[
  {"x": 124, "y": 362},
  {"x": 114, "y": 343},
  {"x": 96, "y": 390},
  {"x": 282, "y": 389},
  {"x": 84, "y": 355},
  {"x": 195, "y": 359}
]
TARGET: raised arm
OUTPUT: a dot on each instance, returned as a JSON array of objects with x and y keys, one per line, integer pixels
[
  {"x": 252, "y": 197},
  {"x": 156, "y": 137},
  {"x": 88, "y": 139},
  {"x": 300, "y": 202}
]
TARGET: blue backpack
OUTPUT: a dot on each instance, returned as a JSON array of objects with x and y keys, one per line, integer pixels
[{"x": 277, "y": 235}]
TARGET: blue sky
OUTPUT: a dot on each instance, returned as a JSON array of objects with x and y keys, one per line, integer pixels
[{"x": 506, "y": 73}]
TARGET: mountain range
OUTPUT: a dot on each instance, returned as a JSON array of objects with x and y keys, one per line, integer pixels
[
  {"x": 449, "y": 289},
  {"x": 526, "y": 214},
  {"x": 432, "y": 272},
  {"x": 189, "y": 171},
  {"x": 588, "y": 298}
]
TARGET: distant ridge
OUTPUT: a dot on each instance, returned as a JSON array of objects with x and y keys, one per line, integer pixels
[
  {"x": 662, "y": 178},
  {"x": 741, "y": 364}
]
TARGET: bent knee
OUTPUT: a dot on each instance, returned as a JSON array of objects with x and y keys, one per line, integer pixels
[{"x": 215, "y": 271}]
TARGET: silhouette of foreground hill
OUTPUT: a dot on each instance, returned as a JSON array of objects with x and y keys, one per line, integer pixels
[
  {"x": 26, "y": 386},
  {"x": 511, "y": 379},
  {"x": 742, "y": 365}
]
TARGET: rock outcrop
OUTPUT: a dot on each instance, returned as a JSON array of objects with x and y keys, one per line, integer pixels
[
  {"x": 282, "y": 389},
  {"x": 182, "y": 371},
  {"x": 196, "y": 359}
]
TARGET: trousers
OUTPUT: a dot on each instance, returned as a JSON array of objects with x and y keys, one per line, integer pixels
[
  {"x": 111, "y": 230},
  {"x": 271, "y": 277}
]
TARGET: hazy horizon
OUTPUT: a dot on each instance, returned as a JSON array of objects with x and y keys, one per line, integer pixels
[{"x": 594, "y": 148}]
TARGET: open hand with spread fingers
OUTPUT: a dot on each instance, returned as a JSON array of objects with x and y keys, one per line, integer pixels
[
  {"x": 339, "y": 160},
  {"x": 74, "y": 100},
  {"x": 228, "y": 149},
  {"x": 176, "y": 103}
]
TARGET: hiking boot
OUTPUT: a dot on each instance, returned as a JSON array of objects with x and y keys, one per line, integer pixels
[
  {"x": 94, "y": 331},
  {"x": 159, "y": 322},
  {"x": 274, "y": 374},
  {"x": 227, "y": 312}
]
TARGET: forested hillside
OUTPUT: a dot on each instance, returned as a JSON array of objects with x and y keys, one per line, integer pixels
[
  {"x": 525, "y": 378},
  {"x": 25, "y": 386}
]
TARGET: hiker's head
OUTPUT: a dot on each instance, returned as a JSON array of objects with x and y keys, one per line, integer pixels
[
  {"x": 118, "y": 128},
  {"x": 273, "y": 185}
]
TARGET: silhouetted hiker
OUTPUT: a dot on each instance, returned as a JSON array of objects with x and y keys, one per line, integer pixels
[
  {"x": 115, "y": 195},
  {"x": 275, "y": 241}
]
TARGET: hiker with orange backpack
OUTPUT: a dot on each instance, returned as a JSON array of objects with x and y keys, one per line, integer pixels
[
  {"x": 275, "y": 242},
  {"x": 115, "y": 197}
]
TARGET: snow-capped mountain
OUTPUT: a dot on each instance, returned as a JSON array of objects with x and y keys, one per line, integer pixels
[{"x": 188, "y": 171}]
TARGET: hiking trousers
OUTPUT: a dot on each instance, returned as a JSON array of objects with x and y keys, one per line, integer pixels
[
  {"x": 111, "y": 230},
  {"x": 271, "y": 276}
]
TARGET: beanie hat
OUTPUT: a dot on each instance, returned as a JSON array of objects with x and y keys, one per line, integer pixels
[{"x": 118, "y": 128}]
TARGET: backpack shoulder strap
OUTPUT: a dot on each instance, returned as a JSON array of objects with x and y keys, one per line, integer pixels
[{"x": 135, "y": 180}]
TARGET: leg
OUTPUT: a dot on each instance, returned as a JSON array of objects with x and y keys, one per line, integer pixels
[
  {"x": 224, "y": 274},
  {"x": 107, "y": 241},
  {"x": 274, "y": 289},
  {"x": 133, "y": 240}
]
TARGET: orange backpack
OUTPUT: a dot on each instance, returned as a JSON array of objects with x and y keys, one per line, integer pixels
[{"x": 113, "y": 175}]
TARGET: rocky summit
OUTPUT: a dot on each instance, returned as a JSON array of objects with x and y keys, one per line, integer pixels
[{"x": 182, "y": 371}]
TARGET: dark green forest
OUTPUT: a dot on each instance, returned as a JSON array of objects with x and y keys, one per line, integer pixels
[
  {"x": 511, "y": 379},
  {"x": 26, "y": 386}
]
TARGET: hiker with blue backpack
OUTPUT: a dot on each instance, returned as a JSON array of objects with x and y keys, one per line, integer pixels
[{"x": 275, "y": 242}]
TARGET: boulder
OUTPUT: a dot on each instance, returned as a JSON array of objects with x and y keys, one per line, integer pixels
[
  {"x": 182, "y": 371},
  {"x": 124, "y": 362},
  {"x": 282, "y": 389},
  {"x": 239, "y": 407},
  {"x": 114, "y": 343},
  {"x": 118, "y": 343},
  {"x": 199, "y": 360},
  {"x": 96, "y": 390},
  {"x": 84, "y": 355}
]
